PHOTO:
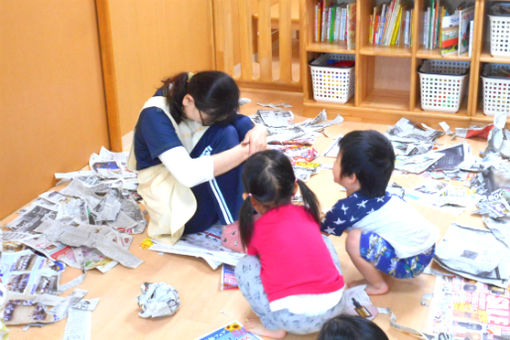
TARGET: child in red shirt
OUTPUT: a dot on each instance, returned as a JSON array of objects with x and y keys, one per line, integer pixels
[{"x": 291, "y": 276}]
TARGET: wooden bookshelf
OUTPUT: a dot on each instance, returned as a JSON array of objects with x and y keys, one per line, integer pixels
[
  {"x": 340, "y": 48},
  {"x": 436, "y": 54},
  {"x": 486, "y": 57},
  {"x": 386, "y": 51},
  {"x": 387, "y": 84}
]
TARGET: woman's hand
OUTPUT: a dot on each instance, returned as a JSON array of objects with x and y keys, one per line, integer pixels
[{"x": 256, "y": 138}]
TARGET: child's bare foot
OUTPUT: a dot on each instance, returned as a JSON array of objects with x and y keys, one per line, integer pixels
[
  {"x": 255, "y": 326},
  {"x": 380, "y": 288},
  {"x": 356, "y": 283}
]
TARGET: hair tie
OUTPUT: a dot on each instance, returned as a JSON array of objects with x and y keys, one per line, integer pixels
[
  {"x": 295, "y": 180},
  {"x": 190, "y": 75}
]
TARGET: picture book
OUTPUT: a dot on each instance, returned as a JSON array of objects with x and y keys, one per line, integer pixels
[
  {"x": 465, "y": 17},
  {"x": 228, "y": 277},
  {"x": 449, "y": 34},
  {"x": 351, "y": 25},
  {"x": 317, "y": 26},
  {"x": 233, "y": 331}
]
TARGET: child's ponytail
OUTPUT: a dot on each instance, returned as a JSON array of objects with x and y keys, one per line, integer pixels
[
  {"x": 246, "y": 221},
  {"x": 310, "y": 200}
]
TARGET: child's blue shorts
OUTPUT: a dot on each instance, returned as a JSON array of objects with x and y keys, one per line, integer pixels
[{"x": 381, "y": 254}]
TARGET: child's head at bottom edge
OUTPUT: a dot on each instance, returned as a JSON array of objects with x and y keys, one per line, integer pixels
[
  {"x": 350, "y": 327},
  {"x": 269, "y": 182},
  {"x": 365, "y": 162}
]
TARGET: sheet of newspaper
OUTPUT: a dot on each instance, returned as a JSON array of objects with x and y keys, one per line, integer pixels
[
  {"x": 25, "y": 272},
  {"x": 418, "y": 163},
  {"x": 474, "y": 253},
  {"x": 447, "y": 197},
  {"x": 206, "y": 245},
  {"x": 109, "y": 242},
  {"x": 281, "y": 127}
]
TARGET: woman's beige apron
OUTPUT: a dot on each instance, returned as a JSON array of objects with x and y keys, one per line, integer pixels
[{"x": 169, "y": 203}]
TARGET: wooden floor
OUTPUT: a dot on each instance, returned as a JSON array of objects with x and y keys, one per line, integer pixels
[{"x": 203, "y": 306}]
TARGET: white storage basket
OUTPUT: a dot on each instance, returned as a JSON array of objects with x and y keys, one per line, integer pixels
[
  {"x": 496, "y": 90},
  {"x": 500, "y": 35},
  {"x": 331, "y": 83},
  {"x": 442, "y": 84}
]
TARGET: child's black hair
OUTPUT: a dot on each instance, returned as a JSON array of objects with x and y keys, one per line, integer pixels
[
  {"x": 215, "y": 93},
  {"x": 370, "y": 156},
  {"x": 350, "y": 327},
  {"x": 269, "y": 178}
]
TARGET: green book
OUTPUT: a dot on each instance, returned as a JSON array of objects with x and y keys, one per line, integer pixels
[{"x": 332, "y": 24}]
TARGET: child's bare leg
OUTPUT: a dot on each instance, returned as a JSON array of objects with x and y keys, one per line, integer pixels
[
  {"x": 255, "y": 326},
  {"x": 376, "y": 284}
]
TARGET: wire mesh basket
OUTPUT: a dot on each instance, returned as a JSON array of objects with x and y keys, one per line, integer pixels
[
  {"x": 496, "y": 89},
  {"x": 500, "y": 35},
  {"x": 332, "y": 83},
  {"x": 442, "y": 84}
]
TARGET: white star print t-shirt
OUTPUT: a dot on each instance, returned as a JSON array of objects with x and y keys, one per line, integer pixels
[
  {"x": 408, "y": 232},
  {"x": 350, "y": 210}
]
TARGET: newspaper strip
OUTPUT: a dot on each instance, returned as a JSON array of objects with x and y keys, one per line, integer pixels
[
  {"x": 45, "y": 308},
  {"x": 334, "y": 148},
  {"x": 79, "y": 320}
]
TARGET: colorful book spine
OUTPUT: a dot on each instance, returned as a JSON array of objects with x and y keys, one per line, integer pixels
[
  {"x": 376, "y": 28},
  {"x": 317, "y": 20},
  {"x": 471, "y": 28},
  {"x": 324, "y": 21},
  {"x": 396, "y": 26},
  {"x": 351, "y": 25},
  {"x": 411, "y": 29},
  {"x": 382, "y": 24},
  {"x": 332, "y": 22},
  {"x": 337, "y": 23}
]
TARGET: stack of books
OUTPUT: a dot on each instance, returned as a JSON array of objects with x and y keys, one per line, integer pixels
[
  {"x": 335, "y": 22},
  {"x": 448, "y": 30},
  {"x": 391, "y": 24}
]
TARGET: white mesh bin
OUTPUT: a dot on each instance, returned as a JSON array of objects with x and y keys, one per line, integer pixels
[
  {"x": 496, "y": 89},
  {"x": 500, "y": 35},
  {"x": 332, "y": 83},
  {"x": 442, "y": 84}
]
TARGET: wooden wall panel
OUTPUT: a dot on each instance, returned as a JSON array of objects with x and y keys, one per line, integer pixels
[
  {"x": 51, "y": 94},
  {"x": 153, "y": 39}
]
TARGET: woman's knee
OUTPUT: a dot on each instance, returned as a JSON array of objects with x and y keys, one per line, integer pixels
[{"x": 226, "y": 137}]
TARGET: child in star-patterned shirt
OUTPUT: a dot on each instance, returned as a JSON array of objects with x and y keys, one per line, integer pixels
[{"x": 386, "y": 236}]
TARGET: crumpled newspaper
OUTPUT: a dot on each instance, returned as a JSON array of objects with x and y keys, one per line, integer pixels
[
  {"x": 158, "y": 299},
  {"x": 499, "y": 137}
]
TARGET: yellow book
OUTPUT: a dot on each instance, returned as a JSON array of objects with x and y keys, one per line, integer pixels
[
  {"x": 412, "y": 29},
  {"x": 396, "y": 27},
  {"x": 370, "y": 28}
]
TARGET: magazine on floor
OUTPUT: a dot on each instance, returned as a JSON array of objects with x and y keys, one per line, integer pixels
[{"x": 467, "y": 309}]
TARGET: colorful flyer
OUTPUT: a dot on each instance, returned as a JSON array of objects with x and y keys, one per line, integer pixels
[
  {"x": 233, "y": 331},
  {"x": 467, "y": 309}
]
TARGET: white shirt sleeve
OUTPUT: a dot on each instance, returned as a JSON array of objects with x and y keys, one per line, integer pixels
[{"x": 186, "y": 170}]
